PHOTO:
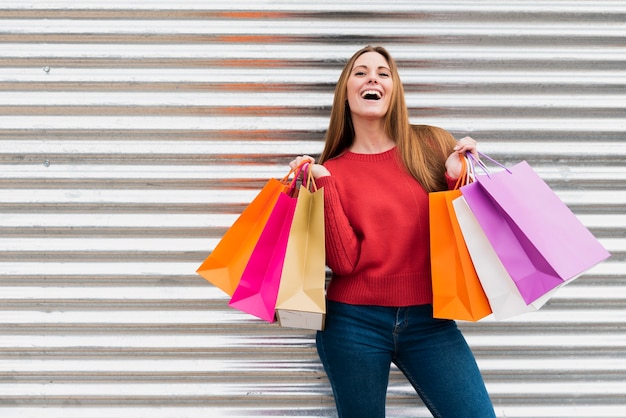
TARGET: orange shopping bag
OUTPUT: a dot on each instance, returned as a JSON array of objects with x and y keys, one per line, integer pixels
[
  {"x": 227, "y": 262},
  {"x": 457, "y": 291}
]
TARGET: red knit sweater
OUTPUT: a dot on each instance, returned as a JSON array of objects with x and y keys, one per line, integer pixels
[{"x": 377, "y": 233}]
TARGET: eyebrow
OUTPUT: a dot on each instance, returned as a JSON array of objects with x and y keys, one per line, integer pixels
[{"x": 365, "y": 66}]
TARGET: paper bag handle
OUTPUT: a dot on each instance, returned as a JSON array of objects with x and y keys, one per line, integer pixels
[
  {"x": 467, "y": 174},
  {"x": 310, "y": 180},
  {"x": 478, "y": 162},
  {"x": 296, "y": 171}
]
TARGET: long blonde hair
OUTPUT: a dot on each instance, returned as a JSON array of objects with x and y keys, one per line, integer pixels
[{"x": 423, "y": 149}]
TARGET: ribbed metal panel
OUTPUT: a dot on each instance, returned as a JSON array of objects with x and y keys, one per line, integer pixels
[{"x": 132, "y": 134}]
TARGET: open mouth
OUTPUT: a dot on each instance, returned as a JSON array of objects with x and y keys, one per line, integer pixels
[{"x": 371, "y": 95}]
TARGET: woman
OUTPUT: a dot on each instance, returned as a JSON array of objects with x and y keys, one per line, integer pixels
[{"x": 376, "y": 170}]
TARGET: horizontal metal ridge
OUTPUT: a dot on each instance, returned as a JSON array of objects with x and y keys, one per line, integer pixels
[
  {"x": 277, "y": 79},
  {"x": 462, "y": 6},
  {"x": 224, "y": 148},
  {"x": 295, "y": 30}
]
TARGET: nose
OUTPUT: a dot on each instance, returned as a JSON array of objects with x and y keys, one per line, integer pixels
[{"x": 372, "y": 79}]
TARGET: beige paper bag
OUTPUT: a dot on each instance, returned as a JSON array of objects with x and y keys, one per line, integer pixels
[{"x": 301, "y": 299}]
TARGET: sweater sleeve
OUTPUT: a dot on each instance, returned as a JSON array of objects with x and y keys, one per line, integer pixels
[
  {"x": 451, "y": 182},
  {"x": 342, "y": 244}
]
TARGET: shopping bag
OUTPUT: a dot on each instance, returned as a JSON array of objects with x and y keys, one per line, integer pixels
[
  {"x": 258, "y": 288},
  {"x": 457, "y": 292},
  {"x": 226, "y": 263},
  {"x": 538, "y": 239},
  {"x": 504, "y": 298},
  {"x": 301, "y": 301}
]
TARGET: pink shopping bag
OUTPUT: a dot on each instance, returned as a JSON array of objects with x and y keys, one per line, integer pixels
[
  {"x": 538, "y": 239},
  {"x": 258, "y": 288}
]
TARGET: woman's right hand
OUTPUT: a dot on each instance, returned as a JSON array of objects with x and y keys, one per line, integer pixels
[{"x": 318, "y": 169}]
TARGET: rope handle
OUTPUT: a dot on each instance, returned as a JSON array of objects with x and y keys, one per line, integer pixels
[
  {"x": 304, "y": 172},
  {"x": 466, "y": 175},
  {"x": 310, "y": 180},
  {"x": 478, "y": 162},
  {"x": 296, "y": 171}
]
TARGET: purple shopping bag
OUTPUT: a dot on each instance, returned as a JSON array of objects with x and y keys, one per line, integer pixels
[{"x": 538, "y": 239}]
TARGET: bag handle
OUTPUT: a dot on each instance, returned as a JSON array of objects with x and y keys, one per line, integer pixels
[
  {"x": 308, "y": 181},
  {"x": 466, "y": 176},
  {"x": 302, "y": 170},
  {"x": 292, "y": 171},
  {"x": 478, "y": 162},
  {"x": 296, "y": 171}
]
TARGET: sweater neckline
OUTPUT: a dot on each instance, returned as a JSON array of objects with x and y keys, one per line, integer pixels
[{"x": 370, "y": 157}]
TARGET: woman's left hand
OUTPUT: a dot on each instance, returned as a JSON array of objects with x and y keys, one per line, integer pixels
[{"x": 453, "y": 163}]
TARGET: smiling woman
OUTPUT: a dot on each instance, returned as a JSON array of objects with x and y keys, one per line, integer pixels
[
  {"x": 377, "y": 245},
  {"x": 369, "y": 91}
]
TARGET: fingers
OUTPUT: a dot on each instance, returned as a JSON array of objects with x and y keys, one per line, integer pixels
[
  {"x": 466, "y": 144},
  {"x": 298, "y": 160}
]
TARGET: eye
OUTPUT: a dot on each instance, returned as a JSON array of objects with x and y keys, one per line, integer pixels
[
  {"x": 384, "y": 74},
  {"x": 359, "y": 73}
]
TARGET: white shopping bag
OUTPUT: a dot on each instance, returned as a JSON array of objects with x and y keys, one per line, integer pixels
[{"x": 504, "y": 297}]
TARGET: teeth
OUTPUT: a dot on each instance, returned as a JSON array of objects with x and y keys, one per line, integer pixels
[{"x": 371, "y": 94}]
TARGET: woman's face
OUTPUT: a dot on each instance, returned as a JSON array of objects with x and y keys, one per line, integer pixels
[{"x": 369, "y": 86}]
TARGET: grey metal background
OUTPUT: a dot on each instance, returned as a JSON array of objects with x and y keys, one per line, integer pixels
[{"x": 132, "y": 134}]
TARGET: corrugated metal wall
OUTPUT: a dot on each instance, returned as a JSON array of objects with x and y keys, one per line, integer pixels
[{"x": 132, "y": 133}]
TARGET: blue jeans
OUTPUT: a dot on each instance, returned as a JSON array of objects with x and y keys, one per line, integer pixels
[{"x": 359, "y": 343}]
